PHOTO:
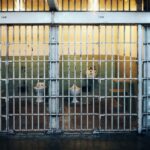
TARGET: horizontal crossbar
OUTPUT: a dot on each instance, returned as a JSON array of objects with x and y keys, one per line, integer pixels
[{"x": 74, "y": 18}]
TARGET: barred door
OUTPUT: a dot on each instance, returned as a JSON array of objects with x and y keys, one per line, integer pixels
[{"x": 76, "y": 79}]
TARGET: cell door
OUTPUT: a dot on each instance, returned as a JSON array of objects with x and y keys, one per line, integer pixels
[
  {"x": 69, "y": 78},
  {"x": 98, "y": 78}
]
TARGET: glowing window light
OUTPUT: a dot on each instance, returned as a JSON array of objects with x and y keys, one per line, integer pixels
[
  {"x": 93, "y": 5},
  {"x": 19, "y": 4}
]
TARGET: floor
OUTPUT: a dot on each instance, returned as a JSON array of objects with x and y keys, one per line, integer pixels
[{"x": 109, "y": 142}]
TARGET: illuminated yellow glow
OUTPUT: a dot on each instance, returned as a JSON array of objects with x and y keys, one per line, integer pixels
[
  {"x": 19, "y": 4},
  {"x": 93, "y": 5}
]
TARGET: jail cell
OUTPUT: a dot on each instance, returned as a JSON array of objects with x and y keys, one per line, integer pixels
[
  {"x": 96, "y": 83},
  {"x": 98, "y": 77}
]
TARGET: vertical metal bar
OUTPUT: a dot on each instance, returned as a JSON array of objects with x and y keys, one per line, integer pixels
[
  {"x": 81, "y": 3},
  {"x": 81, "y": 78},
  {"x": 44, "y": 72},
  {"x": 38, "y": 72},
  {"x": 93, "y": 86},
  {"x": 118, "y": 75},
  {"x": 14, "y": 118},
  {"x": 44, "y": 5},
  {"x": 25, "y": 5},
  {"x": 26, "y": 75},
  {"x": 130, "y": 103},
  {"x": 1, "y": 5},
  {"x": 62, "y": 5},
  {"x": 62, "y": 40},
  {"x": 106, "y": 61},
  {"x": 117, "y": 5},
  {"x": 20, "y": 99},
  {"x": 75, "y": 70},
  {"x": 124, "y": 82},
  {"x": 0, "y": 78},
  {"x": 7, "y": 4},
  {"x": 112, "y": 73},
  {"x": 87, "y": 83},
  {"x": 7, "y": 81},
  {"x": 69, "y": 77},
  {"x": 38, "y": 5},
  {"x": 54, "y": 75},
  {"x": 140, "y": 78},
  {"x": 32, "y": 5},
  {"x": 32, "y": 71},
  {"x": 129, "y": 5},
  {"x": 99, "y": 78},
  {"x": 74, "y": 5},
  {"x": 146, "y": 84},
  {"x": 87, "y": 5}
]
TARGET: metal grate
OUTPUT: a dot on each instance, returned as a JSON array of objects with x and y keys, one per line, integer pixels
[
  {"x": 74, "y": 5},
  {"x": 146, "y": 79},
  {"x": 101, "y": 63},
  {"x": 89, "y": 78},
  {"x": 24, "y": 63}
]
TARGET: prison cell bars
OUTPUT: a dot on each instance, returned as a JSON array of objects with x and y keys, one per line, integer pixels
[
  {"x": 75, "y": 5},
  {"x": 20, "y": 5},
  {"x": 106, "y": 61},
  {"x": 146, "y": 81},
  {"x": 118, "y": 97},
  {"x": 0, "y": 79},
  {"x": 21, "y": 114}
]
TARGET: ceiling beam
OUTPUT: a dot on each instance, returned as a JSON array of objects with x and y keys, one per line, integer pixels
[
  {"x": 53, "y": 5},
  {"x": 74, "y": 18}
]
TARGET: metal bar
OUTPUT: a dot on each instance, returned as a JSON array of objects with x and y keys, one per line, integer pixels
[
  {"x": 72, "y": 114},
  {"x": 0, "y": 78},
  {"x": 130, "y": 109},
  {"x": 87, "y": 82},
  {"x": 53, "y": 5},
  {"x": 99, "y": 78},
  {"x": 1, "y": 5},
  {"x": 75, "y": 18},
  {"x": 32, "y": 74},
  {"x": 26, "y": 74},
  {"x": 81, "y": 82},
  {"x": 140, "y": 36},
  {"x": 62, "y": 39},
  {"x": 93, "y": 85},
  {"x": 124, "y": 76},
  {"x": 44, "y": 76},
  {"x": 106, "y": 58},
  {"x": 69, "y": 73},
  {"x": 13, "y": 34},
  {"x": 74, "y": 70},
  {"x": 118, "y": 76},
  {"x": 112, "y": 75},
  {"x": 84, "y": 96},
  {"x": 54, "y": 72},
  {"x": 20, "y": 73},
  {"x": 38, "y": 72},
  {"x": 7, "y": 81}
]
